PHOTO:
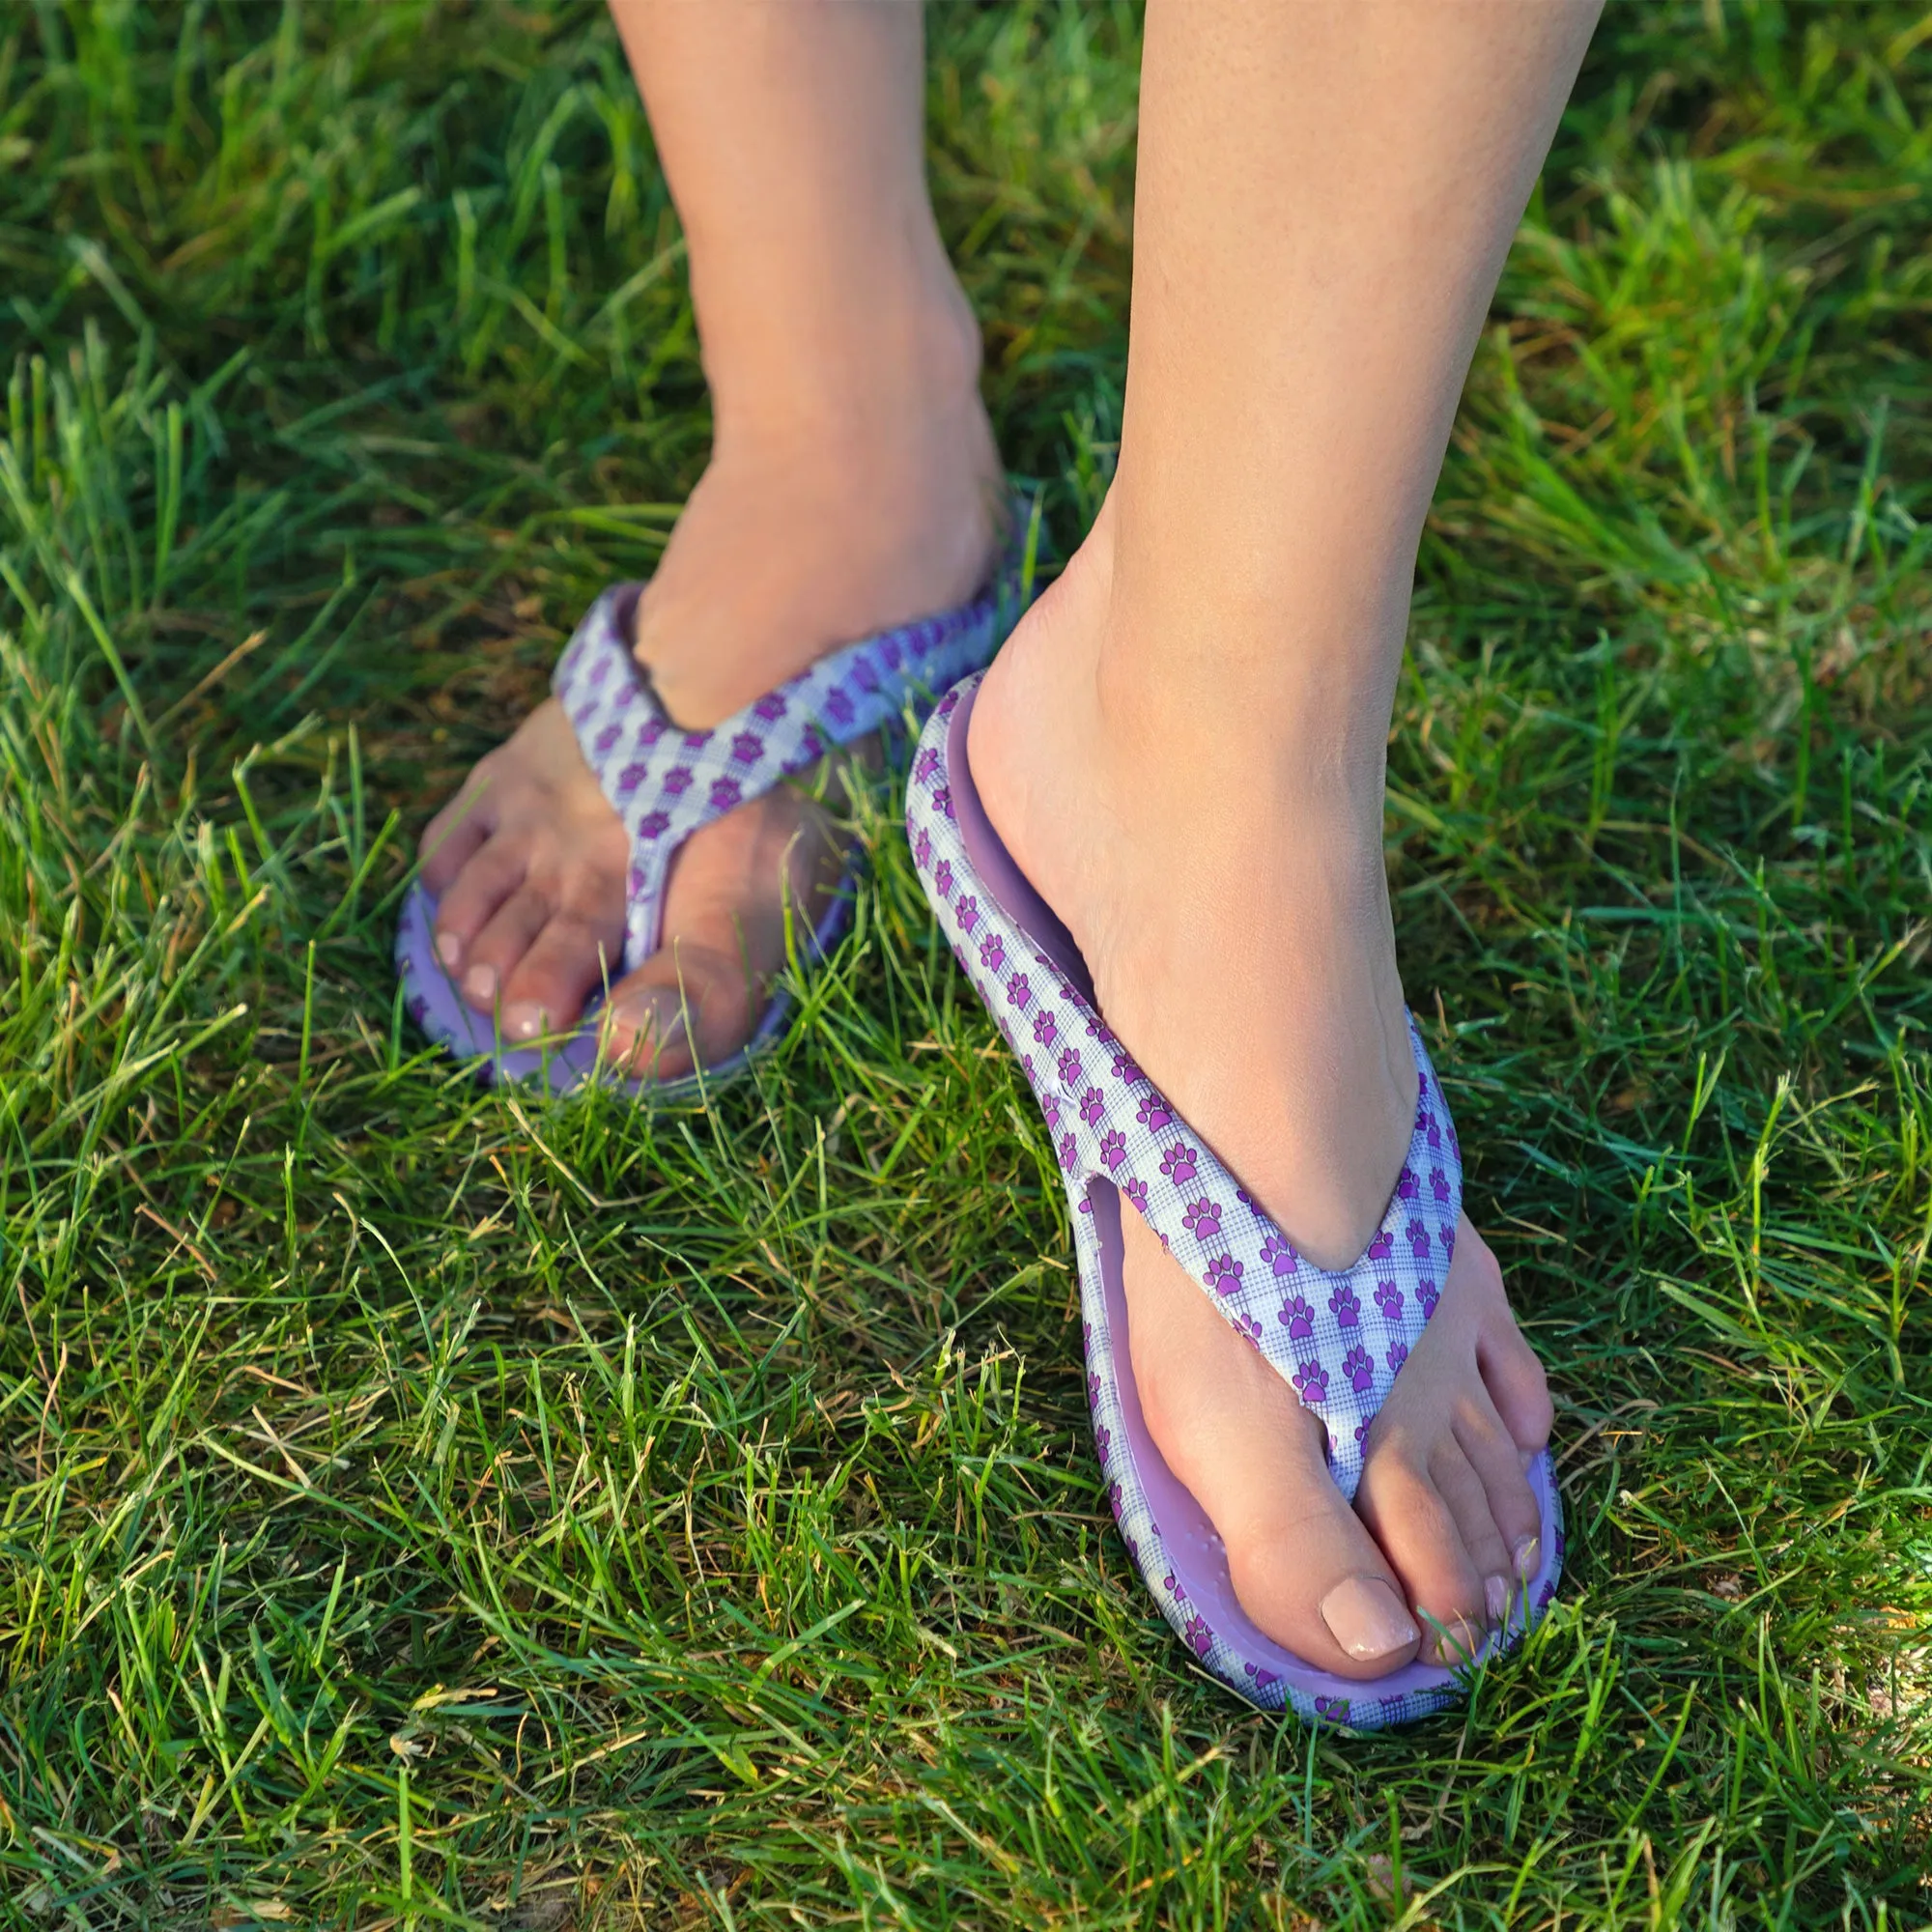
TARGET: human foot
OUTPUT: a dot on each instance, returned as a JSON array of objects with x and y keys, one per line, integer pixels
[
  {"x": 791, "y": 545},
  {"x": 1240, "y": 944}
]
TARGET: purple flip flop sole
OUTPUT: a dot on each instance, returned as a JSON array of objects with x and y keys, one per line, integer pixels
[
  {"x": 1338, "y": 1336},
  {"x": 666, "y": 783}
]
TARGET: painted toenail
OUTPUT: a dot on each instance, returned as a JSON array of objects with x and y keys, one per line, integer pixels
[
  {"x": 1496, "y": 1596},
  {"x": 1458, "y": 1643},
  {"x": 449, "y": 950},
  {"x": 656, "y": 1020},
  {"x": 1366, "y": 1618},
  {"x": 524, "y": 1020},
  {"x": 1526, "y": 1553},
  {"x": 479, "y": 986}
]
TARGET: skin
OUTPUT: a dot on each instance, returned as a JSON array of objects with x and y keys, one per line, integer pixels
[{"x": 1183, "y": 744}]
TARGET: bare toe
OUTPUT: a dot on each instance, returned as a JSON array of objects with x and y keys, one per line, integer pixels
[
  {"x": 489, "y": 959},
  {"x": 575, "y": 955},
  {"x": 1444, "y": 1485},
  {"x": 1302, "y": 1564}
]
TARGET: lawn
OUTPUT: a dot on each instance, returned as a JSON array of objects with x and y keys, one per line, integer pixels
[{"x": 430, "y": 1506}]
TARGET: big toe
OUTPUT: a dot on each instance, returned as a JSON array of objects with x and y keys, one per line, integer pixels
[
  {"x": 1303, "y": 1565},
  {"x": 691, "y": 1004}
]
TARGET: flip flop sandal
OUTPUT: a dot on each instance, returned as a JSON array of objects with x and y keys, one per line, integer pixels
[
  {"x": 666, "y": 783},
  {"x": 1338, "y": 1337}
]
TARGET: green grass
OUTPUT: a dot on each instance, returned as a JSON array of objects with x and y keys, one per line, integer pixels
[{"x": 425, "y": 1506}]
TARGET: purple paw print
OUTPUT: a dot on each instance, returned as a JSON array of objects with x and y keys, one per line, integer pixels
[
  {"x": 1297, "y": 1318},
  {"x": 605, "y": 738},
  {"x": 1405, "y": 1186},
  {"x": 1093, "y": 1391},
  {"x": 1279, "y": 1254},
  {"x": 1102, "y": 1436},
  {"x": 696, "y": 741},
  {"x": 1397, "y": 1356},
  {"x": 941, "y": 799},
  {"x": 1335, "y": 1709},
  {"x": 725, "y": 793},
  {"x": 1125, "y": 1067},
  {"x": 1069, "y": 1066},
  {"x": 921, "y": 852},
  {"x": 1177, "y": 1163},
  {"x": 992, "y": 949},
  {"x": 631, "y": 778},
  {"x": 1434, "y": 1135},
  {"x": 1438, "y": 1183},
  {"x": 1224, "y": 1274},
  {"x": 838, "y": 707},
  {"x": 653, "y": 824},
  {"x": 1019, "y": 991},
  {"x": 1389, "y": 1298},
  {"x": 967, "y": 913},
  {"x": 1044, "y": 1029},
  {"x": 1382, "y": 1247},
  {"x": 925, "y": 764},
  {"x": 747, "y": 748},
  {"x": 1203, "y": 1220},
  {"x": 1137, "y": 1193},
  {"x": 771, "y": 707},
  {"x": 1091, "y": 1106},
  {"x": 1113, "y": 1149},
  {"x": 1448, "y": 1244},
  {"x": 1178, "y": 1591},
  {"x": 1418, "y": 1239},
  {"x": 649, "y": 733},
  {"x": 1249, "y": 1330},
  {"x": 1311, "y": 1381},
  {"x": 1425, "y": 1292},
  {"x": 1153, "y": 1115},
  {"x": 1113, "y": 1499},
  {"x": 1198, "y": 1635},
  {"x": 1346, "y": 1309},
  {"x": 1068, "y": 1148},
  {"x": 677, "y": 781},
  {"x": 942, "y": 878},
  {"x": 1050, "y": 1108},
  {"x": 1263, "y": 1679},
  {"x": 1098, "y": 1029},
  {"x": 1360, "y": 1371}
]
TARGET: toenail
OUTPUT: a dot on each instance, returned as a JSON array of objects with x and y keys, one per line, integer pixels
[
  {"x": 656, "y": 1018},
  {"x": 1458, "y": 1643},
  {"x": 1526, "y": 1553},
  {"x": 524, "y": 1020},
  {"x": 479, "y": 986},
  {"x": 449, "y": 950},
  {"x": 1366, "y": 1618},
  {"x": 1496, "y": 1596}
]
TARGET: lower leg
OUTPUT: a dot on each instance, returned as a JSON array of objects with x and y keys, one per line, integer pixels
[
  {"x": 853, "y": 485},
  {"x": 842, "y": 357},
  {"x": 1184, "y": 745}
]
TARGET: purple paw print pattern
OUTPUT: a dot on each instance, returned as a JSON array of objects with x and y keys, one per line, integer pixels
[
  {"x": 691, "y": 778},
  {"x": 665, "y": 784},
  {"x": 1337, "y": 1337}
]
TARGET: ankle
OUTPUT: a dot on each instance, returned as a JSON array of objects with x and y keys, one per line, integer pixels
[{"x": 879, "y": 363}]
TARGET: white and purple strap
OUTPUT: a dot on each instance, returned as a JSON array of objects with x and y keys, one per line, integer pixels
[{"x": 664, "y": 782}]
